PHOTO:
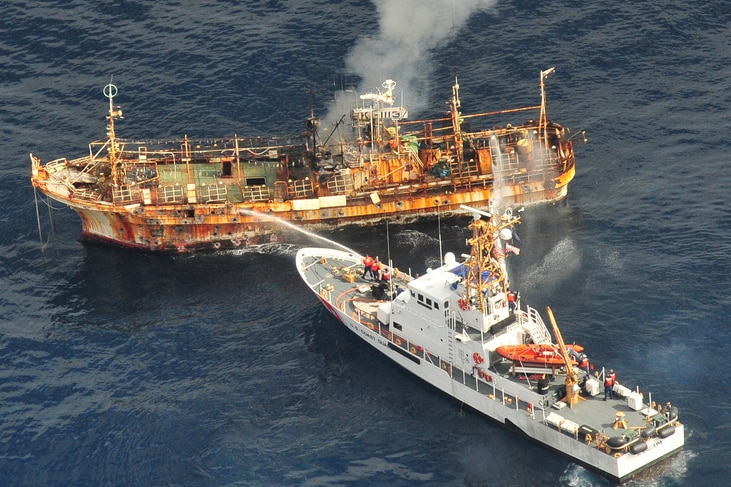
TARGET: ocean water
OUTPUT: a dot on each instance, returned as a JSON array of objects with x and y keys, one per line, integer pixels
[{"x": 120, "y": 368}]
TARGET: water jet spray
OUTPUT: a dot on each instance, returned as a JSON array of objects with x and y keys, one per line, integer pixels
[{"x": 292, "y": 226}]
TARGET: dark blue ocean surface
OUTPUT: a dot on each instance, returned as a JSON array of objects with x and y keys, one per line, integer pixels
[{"x": 119, "y": 368}]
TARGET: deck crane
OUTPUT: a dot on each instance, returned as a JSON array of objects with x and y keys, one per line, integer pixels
[{"x": 572, "y": 378}]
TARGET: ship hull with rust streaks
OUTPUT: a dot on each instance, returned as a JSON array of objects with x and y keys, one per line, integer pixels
[{"x": 185, "y": 195}]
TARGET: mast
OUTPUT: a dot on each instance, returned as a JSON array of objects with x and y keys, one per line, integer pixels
[
  {"x": 543, "y": 122},
  {"x": 186, "y": 157},
  {"x": 110, "y": 91},
  {"x": 486, "y": 274},
  {"x": 454, "y": 105},
  {"x": 238, "y": 157}
]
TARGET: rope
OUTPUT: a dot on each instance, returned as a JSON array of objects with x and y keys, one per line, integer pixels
[
  {"x": 47, "y": 202},
  {"x": 38, "y": 217}
]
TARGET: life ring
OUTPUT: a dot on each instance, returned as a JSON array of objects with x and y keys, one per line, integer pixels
[
  {"x": 412, "y": 349},
  {"x": 477, "y": 358},
  {"x": 397, "y": 341},
  {"x": 236, "y": 242},
  {"x": 463, "y": 304}
]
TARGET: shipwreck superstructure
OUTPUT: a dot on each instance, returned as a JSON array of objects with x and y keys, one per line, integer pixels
[{"x": 181, "y": 195}]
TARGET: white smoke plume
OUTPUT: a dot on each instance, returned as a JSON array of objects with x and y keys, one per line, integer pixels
[{"x": 399, "y": 49}]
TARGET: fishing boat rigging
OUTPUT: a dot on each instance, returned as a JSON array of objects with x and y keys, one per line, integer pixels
[{"x": 225, "y": 192}]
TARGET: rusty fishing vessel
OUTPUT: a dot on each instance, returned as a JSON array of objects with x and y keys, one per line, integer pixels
[
  {"x": 184, "y": 195},
  {"x": 447, "y": 326}
]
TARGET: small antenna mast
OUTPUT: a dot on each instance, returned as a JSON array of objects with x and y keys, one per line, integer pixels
[
  {"x": 439, "y": 227},
  {"x": 110, "y": 91}
]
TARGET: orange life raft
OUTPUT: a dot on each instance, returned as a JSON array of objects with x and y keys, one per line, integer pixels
[{"x": 536, "y": 354}]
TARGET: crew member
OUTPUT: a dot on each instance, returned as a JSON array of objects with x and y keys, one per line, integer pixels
[
  {"x": 609, "y": 380},
  {"x": 367, "y": 263},
  {"x": 584, "y": 363},
  {"x": 385, "y": 275},
  {"x": 511, "y": 300},
  {"x": 375, "y": 268}
]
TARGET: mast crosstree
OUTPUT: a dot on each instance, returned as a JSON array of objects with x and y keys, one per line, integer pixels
[{"x": 486, "y": 274}]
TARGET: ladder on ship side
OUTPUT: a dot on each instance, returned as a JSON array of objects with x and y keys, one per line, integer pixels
[
  {"x": 536, "y": 328},
  {"x": 451, "y": 324}
]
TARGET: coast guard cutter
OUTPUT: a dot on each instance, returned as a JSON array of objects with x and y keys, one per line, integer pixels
[{"x": 445, "y": 327}]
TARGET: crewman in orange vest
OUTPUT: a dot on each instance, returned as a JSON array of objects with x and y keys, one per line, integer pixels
[
  {"x": 609, "y": 381},
  {"x": 375, "y": 268},
  {"x": 511, "y": 300},
  {"x": 584, "y": 363},
  {"x": 367, "y": 263},
  {"x": 385, "y": 275}
]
